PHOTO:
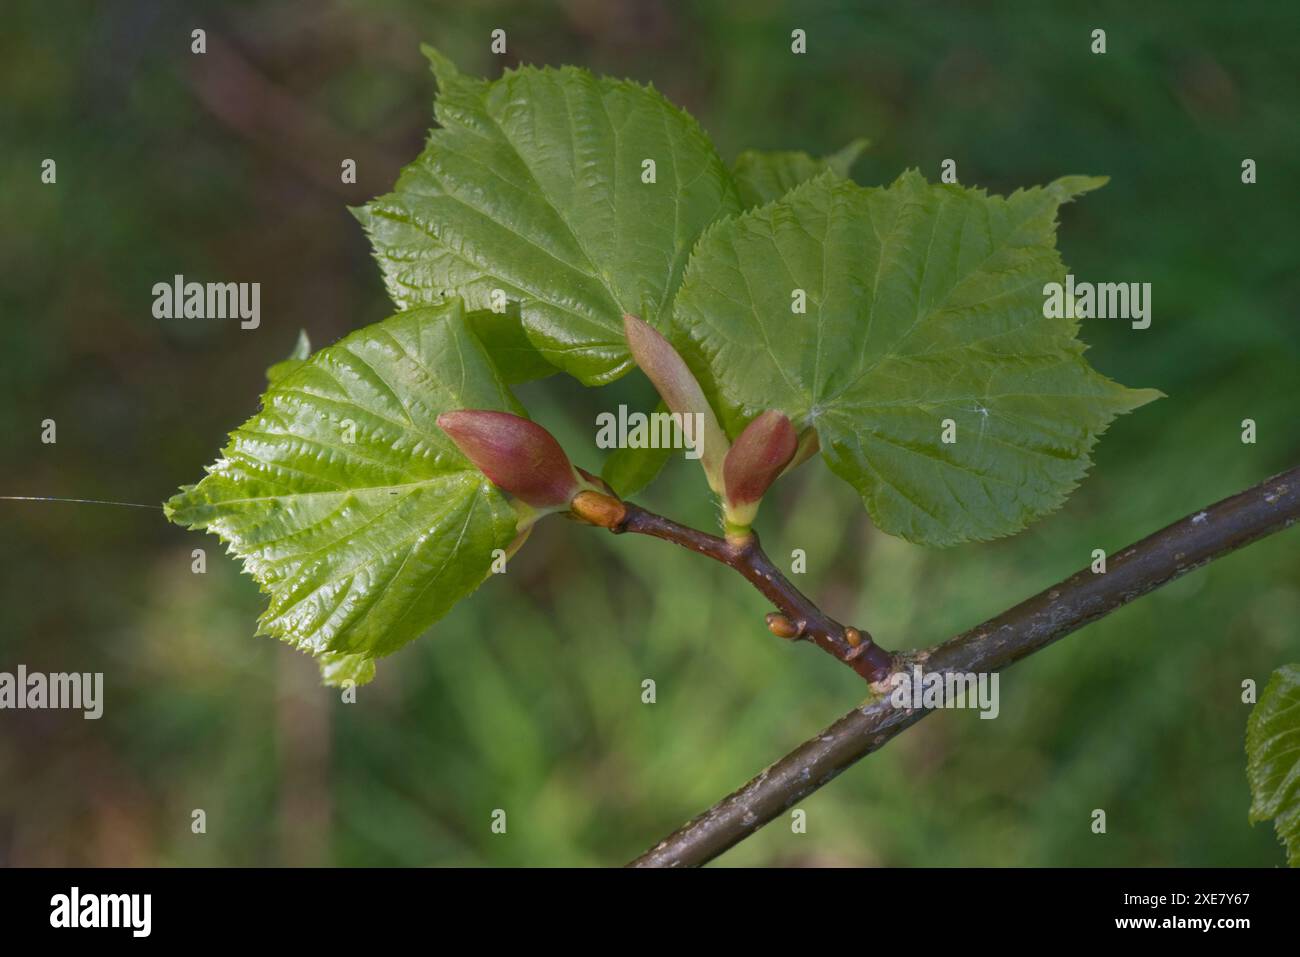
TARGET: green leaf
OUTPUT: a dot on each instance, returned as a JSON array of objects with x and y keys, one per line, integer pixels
[
  {"x": 764, "y": 176},
  {"x": 350, "y": 508},
  {"x": 628, "y": 470},
  {"x": 1273, "y": 758},
  {"x": 533, "y": 185},
  {"x": 301, "y": 350},
  {"x": 502, "y": 334},
  {"x": 924, "y": 304}
]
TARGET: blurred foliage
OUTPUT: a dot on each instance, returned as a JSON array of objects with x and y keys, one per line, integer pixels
[{"x": 527, "y": 698}]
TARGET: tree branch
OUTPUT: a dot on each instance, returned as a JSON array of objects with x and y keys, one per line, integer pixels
[
  {"x": 1030, "y": 626},
  {"x": 799, "y": 618}
]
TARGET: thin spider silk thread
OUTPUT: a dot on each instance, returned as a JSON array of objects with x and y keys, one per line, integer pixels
[{"x": 80, "y": 501}]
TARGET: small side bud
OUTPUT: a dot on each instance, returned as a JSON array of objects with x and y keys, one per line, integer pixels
[
  {"x": 782, "y": 626},
  {"x": 597, "y": 508},
  {"x": 519, "y": 456},
  {"x": 680, "y": 390},
  {"x": 753, "y": 463}
]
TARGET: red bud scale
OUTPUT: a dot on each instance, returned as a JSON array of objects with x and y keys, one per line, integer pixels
[
  {"x": 518, "y": 455},
  {"x": 756, "y": 458}
]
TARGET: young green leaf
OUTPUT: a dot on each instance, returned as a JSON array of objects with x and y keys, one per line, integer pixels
[
  {"x": 503, "y": 336},
  {"x": 578, "y": 197},
  {"x": 764, "y": 176},
  {"x": 1273, "y": 758},
  {"x": 922, "y": 357},
  {"x": 348, "y": 505}
]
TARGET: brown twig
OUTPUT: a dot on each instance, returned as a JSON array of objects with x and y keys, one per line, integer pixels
[
  {"x": 799, "y": 618},
  {"x": 1032, "y": 625}
]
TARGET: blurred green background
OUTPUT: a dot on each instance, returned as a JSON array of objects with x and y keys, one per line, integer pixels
[{"x": 527, "y": 697}]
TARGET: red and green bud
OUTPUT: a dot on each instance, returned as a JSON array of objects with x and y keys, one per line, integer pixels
[
  {"x": 519, "y": 456},
  {"x": 755, "y": 460},
  {"x": 680, "y": 391}
]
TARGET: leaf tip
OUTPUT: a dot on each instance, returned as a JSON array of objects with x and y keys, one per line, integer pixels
[
  {"x": 843, "y": 160},
  {"x": 444, "y": 70},
  {"x": 1132, "y": 399},
  {"x": 1068, "y": 188},
  {"x": 174, "y": 507},
  {"x": 361, "y": 214},
  {"x": 337, "y": 669}
]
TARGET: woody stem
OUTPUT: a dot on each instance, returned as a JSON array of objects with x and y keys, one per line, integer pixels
[{"x": 852, "y": 646}]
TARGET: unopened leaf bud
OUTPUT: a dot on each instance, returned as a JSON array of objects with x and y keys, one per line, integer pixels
[
  {"x": 519, "y": 456},
  {"x": 753, "y": 463},
  {"x": 781, "y": 626},
  {"x": 680, "y": 390},
  {"x": 597, "y": 508}
]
